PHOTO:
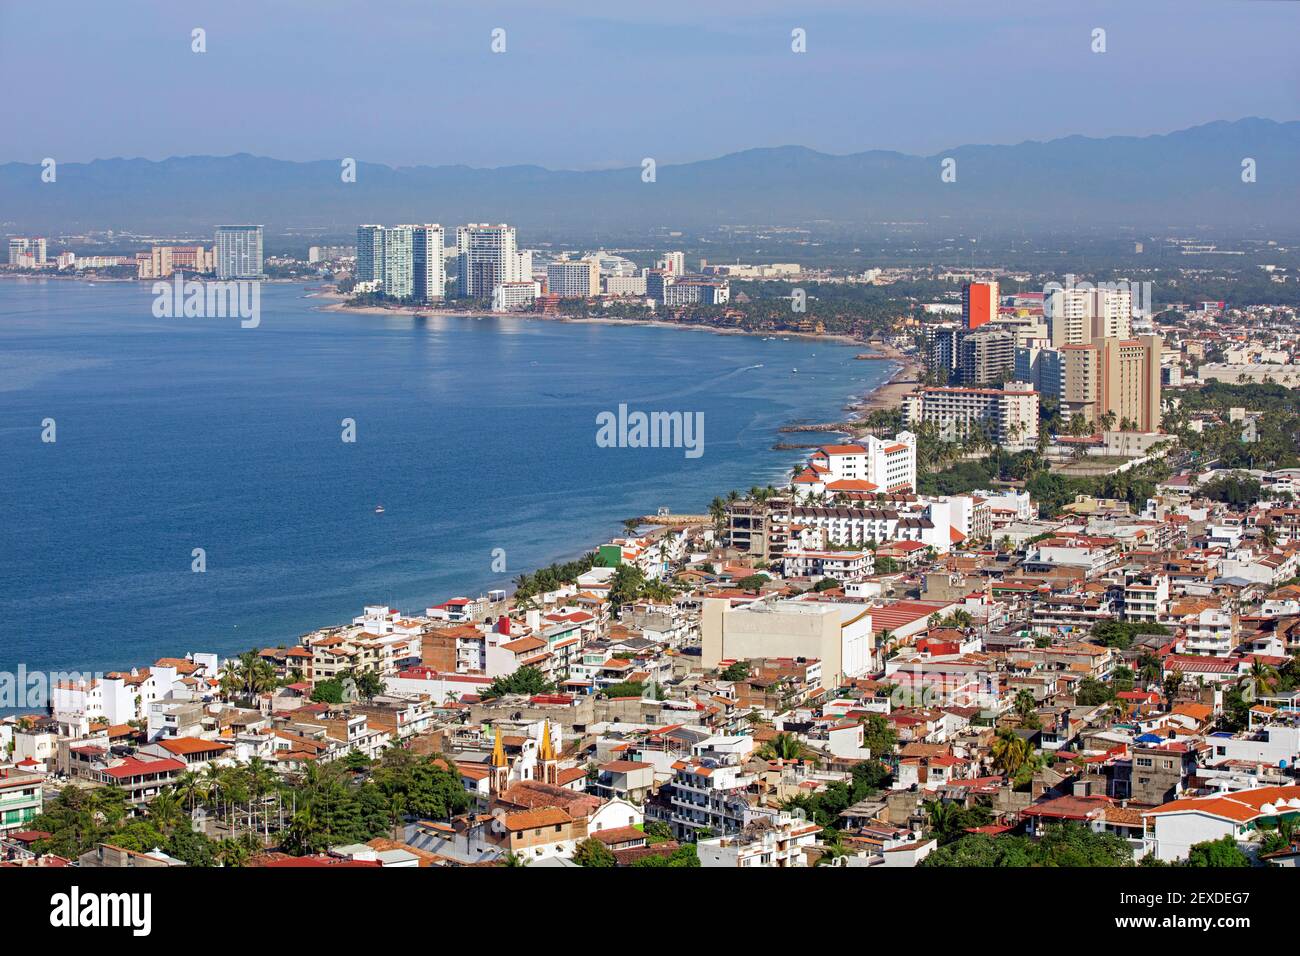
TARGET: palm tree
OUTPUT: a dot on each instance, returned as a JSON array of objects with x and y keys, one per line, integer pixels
[
  {"x": 1010, "y": 752},
  {"x": 211, "y": 785},
  {"x": 235, "y": 851},
  {"x": 942, "y": 816},
  {"x": 832, "y": 847},
  {"x": 304, "y": 831},
  {"x": 718, "y": 512},
  {"x": 397, "y": 808},
  {"x": 188, "y": 787},
  {"x": 1261, "y": 675},
  {"x": 1149, "y": 668},
  {"x": 1268, "y": 536},
  {"x": 229, "y": 684},
  {"x": 165, "y": 810},
  {"x": 1172, "y": 682},
  {"x": 514, "y": 859},
  {"x": 1024, "y": 705},
  {"x": 248, "y": 676},
  {"x": 784, "y": 746}
]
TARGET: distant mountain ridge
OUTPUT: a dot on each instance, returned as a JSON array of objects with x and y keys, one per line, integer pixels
[{"x": 1187, "y": 178}]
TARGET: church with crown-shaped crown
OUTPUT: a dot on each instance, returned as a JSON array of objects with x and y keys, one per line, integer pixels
[
  {"x": 533, "y": 778},
  {"x": 538, "y": 760}
]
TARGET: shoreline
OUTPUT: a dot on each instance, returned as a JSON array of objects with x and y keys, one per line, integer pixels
[
  {"x": 890, "y": 392},
  {"x": 885, "y": 394},
  {"x": 441, "y": 313}
]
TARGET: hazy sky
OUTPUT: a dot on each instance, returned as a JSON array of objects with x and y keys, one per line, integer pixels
[{"x": 593, "y": 84}]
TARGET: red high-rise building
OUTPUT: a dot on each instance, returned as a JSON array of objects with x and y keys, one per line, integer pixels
[{"x": 979, "y": 303}]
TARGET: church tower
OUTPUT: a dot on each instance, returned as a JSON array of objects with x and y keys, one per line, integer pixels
[
  {"x": 500, "y": 779},
  {"x": 548, "y": 761}
]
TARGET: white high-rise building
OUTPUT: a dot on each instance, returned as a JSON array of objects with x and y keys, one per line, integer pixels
[
  {"x": 430, "y": 275},
  {"x": 27, "y": 253},
  {"x": 1007, "y": 415},
  {"x": 523, "y": 266},
  {"x": 486, "y": 257},
  {"x": 1078, "y": 314},
  {"x": 386, "y": 259},
  {"x": 399, "y": 261},
  {"x": 239, "y": 252},
  {"x": 886, "y": 464},
  {"x": 674, "y": 262},
  {"x": 573, "y": 278},
  {"x": 370, "y": 254}
]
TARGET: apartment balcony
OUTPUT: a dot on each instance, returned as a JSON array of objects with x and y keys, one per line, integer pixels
[
  {"x": 18, "y": 801},
  {"x": 1217, "y": 647}
]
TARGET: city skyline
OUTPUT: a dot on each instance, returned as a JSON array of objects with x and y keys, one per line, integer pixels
[{"x": 725, "y": 436}]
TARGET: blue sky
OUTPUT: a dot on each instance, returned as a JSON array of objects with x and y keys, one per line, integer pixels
[{"x": 587, "y": 85}]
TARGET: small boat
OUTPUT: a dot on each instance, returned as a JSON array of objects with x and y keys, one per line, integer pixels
[
  {"x": 379, "y": 509},
  {"x": 794, "y": 371}
]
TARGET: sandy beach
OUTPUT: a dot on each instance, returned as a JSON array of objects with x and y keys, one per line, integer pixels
[
  {"x": 903, "y": 381},
  {"x": 342, "y": 306}
]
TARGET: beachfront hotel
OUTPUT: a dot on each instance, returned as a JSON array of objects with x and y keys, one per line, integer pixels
[
  {"x": 1009, "y": 415},
  {"x": 573, "y": 278},
  {"x": 873, "y": 465},
  {"x": 486, "y": 257}
]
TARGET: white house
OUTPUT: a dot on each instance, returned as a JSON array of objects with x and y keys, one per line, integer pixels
[{"x": 1174, "y": 828}]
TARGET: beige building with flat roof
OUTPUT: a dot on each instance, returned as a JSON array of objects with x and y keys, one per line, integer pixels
[
  {"x": 836, "y": 633},
  {"x": 1121, "y": 376}
]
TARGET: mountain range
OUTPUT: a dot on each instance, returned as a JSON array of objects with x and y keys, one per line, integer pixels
[{"x": 1185, "y": 179}]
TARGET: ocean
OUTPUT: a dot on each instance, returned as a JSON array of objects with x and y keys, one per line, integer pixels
[{"x": 477, "y": 435}]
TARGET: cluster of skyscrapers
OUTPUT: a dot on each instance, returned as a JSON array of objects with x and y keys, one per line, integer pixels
[
  {"x": 27, "y": 252},
  {"x": 1079, "y": 349},
  {"x": 413, "y": 262}
]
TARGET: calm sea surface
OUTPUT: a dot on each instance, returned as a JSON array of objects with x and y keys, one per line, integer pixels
[{"x": 474, "y": 434}]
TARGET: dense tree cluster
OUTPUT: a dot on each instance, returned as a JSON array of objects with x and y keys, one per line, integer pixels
[
  {"x": 348, "y": 801},
  {"x": 523, "y": 680},
  {"x": 552, "y": 577},
  {"x": 1068, "y": 844}
]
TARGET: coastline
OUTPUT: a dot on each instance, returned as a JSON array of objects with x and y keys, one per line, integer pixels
[
  {"x": 887, "y": 394},
  {"x": 890, "y": 393},
  {"x": 433, "y": 312},
  {"x": 877, "y": 395}
]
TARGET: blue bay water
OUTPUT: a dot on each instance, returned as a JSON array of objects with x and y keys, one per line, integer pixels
[{"x": 474, "y": 434}]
